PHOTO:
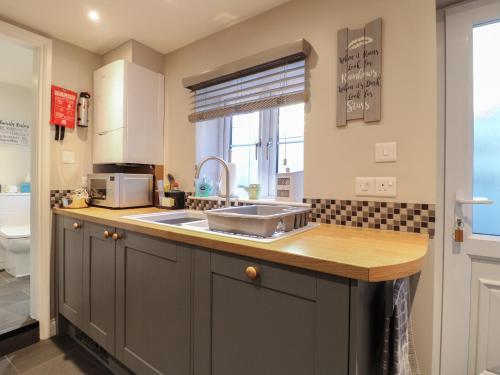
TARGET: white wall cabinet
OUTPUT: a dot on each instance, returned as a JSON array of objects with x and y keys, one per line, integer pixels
[{"x": 128, "y": 114}]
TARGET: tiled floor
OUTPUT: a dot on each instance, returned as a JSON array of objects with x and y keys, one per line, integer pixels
[
  {"x": 14, "y": 302},
  {"x": 57, "y": 356}
]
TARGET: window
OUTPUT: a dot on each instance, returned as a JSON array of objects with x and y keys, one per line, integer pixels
[
  {"x": 486, "y": 177},
  {"x": 265, "y": 143},
  {"x": 291, "y": 138},
  {"x": 253, "y": 116}
]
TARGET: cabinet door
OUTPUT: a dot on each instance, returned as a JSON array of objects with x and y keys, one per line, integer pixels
[
  {"x": 99, "y": 285},
  {"x": 109, "y": 97},
  {"x": 282, "y": 322},
  {"x": 145, "y": 112},
  {"x": 70, "y": 269},
  {"x": 153, "y": 305}
]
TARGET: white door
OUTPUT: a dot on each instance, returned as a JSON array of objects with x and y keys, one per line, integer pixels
[{"x": 471, "y": 288}]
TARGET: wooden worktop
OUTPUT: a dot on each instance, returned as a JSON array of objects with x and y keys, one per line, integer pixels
[{"x": 357, "y": 253}]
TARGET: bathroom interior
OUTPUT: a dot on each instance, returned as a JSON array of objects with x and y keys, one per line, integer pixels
[{"x": 16, "y": 102}]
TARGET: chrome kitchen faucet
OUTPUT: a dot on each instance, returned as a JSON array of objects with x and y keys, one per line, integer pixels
[{"x": 226, "y": 167}]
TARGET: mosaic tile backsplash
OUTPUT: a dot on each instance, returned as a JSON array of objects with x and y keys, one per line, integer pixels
[
  {"x": 207, "y": 204},
  {"x": 56, "y": 197},
  {"x": 403, "y": 217}
]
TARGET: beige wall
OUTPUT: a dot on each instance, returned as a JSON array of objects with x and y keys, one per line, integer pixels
[
  {"x": 137, "y": 53},
  {"x": 72, "y": 68},
  {"x": 16, "y": 104},
  {"x": 333, "y": 157}
]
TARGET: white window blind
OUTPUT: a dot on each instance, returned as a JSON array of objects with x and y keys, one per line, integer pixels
[{"x": 274, "y": 87}]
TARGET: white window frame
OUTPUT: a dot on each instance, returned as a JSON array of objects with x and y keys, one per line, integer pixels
[{"x": 267, "y": 152}]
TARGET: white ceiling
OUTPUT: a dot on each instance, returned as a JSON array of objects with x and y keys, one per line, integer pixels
[
  {"x": 16, "y": 64},
  {"x": 164, "y": 25}
]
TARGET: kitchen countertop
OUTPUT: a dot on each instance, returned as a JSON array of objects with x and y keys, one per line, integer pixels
[{"x": 357, "y": 253}]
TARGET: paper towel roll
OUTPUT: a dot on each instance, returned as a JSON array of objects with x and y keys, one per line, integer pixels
[{"x": 233, "y": 182}]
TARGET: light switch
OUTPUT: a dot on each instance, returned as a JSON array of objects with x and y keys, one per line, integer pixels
[
  {"x": 365, "y": 186},
  {"x": 68, "y": 157},
  {"x": 385, "y": 152},
  {"x": 385, "y": 186}
]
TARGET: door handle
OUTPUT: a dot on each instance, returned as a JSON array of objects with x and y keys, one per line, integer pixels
[{"x": 474, "y": 200}]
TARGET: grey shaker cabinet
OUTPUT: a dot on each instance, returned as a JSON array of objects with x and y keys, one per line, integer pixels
[
  {"x": 153, "y": 310},
  {"x": 161, "y": 307},
  {"x": 282, "y": 322},
  {"x": 70, "y": 265},
  {"x": 99, "y": 285}
]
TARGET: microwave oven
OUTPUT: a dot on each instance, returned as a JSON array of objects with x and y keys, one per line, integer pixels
[{"x": 120, "y": 190}]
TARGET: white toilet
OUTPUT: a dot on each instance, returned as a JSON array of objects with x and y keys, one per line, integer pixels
[{"x": 15, "y": 233}]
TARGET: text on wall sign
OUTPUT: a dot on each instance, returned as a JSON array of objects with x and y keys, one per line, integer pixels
[{"x": 359, "y": 79}]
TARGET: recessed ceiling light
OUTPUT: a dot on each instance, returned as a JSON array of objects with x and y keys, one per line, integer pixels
[{"x": 93, "y": 15}]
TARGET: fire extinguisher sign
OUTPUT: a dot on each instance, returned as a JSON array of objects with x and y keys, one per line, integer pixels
[{"x": 63, "y": 111}]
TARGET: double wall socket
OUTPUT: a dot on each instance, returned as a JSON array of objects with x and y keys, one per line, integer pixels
[{"x": 376, "y": 186}]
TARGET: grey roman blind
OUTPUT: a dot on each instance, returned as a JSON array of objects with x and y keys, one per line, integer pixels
[{"x": 269, "y": 84}]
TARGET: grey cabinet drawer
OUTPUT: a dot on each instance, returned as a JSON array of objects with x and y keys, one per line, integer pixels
[{"x": 301, "y": 284}]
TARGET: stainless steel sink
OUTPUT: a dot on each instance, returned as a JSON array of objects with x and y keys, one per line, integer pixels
[
  {"x": 176, "y": 218},
  {"x": 260, "y": 224}
]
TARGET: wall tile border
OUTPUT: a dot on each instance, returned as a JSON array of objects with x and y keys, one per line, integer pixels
[
  {"x": 208, "y": 204},
  {"x": 402, "y": 217},
  {"x": 56, "y": 197}
]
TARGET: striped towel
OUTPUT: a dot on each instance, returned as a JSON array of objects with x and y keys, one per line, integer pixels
[{"x": 400, "y": 357}]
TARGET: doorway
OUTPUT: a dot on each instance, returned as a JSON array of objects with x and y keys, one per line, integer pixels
[
  {"x": 16, "y": 119},
  {"x": 471, "y": 283},
  {"x": 39, "y": 207}
]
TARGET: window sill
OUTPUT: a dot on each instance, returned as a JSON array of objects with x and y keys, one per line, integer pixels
[{"x": 269, "y": 201}]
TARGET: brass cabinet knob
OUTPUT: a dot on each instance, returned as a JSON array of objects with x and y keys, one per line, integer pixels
[
  {"x": 252, "y": 272},
  {"x": 116, "y": 237},
  {"x": 106, "y": 234},
  {"x": 77, "y": 225}
]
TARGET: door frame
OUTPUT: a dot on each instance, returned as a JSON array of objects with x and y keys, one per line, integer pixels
[
  {"x": 456, "y": 268},
  {"x": 41, "y": 231}
]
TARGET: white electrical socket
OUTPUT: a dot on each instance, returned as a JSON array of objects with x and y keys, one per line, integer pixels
[
  {"x": 365, "y": 186},
  {"x": 385, "y": 152},
  {"x": 385, "y": 186}
]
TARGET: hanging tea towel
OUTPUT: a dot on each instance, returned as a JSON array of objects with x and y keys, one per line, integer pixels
[
  {"x": 404, "y": 354},
  {"x": 399, "y": 354}
]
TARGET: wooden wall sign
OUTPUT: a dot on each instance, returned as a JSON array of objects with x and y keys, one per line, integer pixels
[{"x": 359, "y": 71}]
